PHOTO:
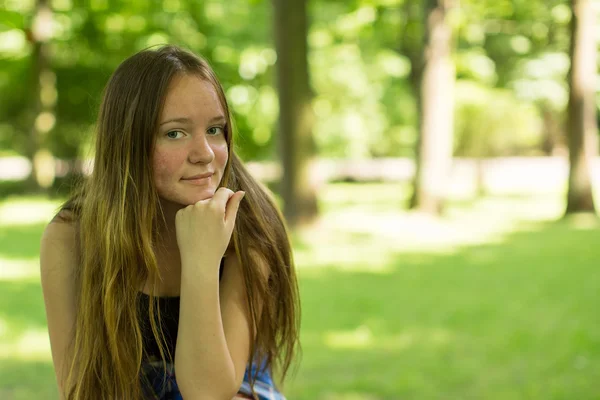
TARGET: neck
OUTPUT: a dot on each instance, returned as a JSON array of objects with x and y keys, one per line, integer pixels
[
  {"x": 167, "y": 252},
  {"x": 166, "y": 225}
]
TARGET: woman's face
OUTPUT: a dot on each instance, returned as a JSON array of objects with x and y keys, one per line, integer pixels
[{"x": 191, "y": 142}]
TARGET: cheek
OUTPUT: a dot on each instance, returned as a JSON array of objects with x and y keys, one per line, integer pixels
[
  {"x": 221, "y": 155},
  {"x": 164, "y": 164}
]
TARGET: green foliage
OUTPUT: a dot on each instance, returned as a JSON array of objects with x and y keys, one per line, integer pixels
[
  {"x": 90, "y": 39},
  {"x": 363, "y": 103},
  {"x": 508, "y": 32},
  {"x": 542, "y": 80},
  {"x": 363, "y": 57},
  {"x": 493, "y": 122}
]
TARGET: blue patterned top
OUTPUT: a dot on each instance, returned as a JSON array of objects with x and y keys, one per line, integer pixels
[{"x": 164, "y": 387}]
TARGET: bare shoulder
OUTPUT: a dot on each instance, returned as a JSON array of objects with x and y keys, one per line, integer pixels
[
  {"x": 63, "y": 223},
  {"x": 58, "y": 246},
  {"x": 58, "y": 258}
]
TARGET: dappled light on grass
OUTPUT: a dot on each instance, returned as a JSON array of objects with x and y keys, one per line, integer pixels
[
  {"x": 359, "y": 338},
  {"x": 26, "y": 211},
  {"x": 350, "y": 396},
  {"x": 3, "y": 328},
  {"x": 32, "y": 344},
  {"x": 583, "y": 222},
  {"x": 22, "y": 221},
  {"x": 363, "y": 337},
  {"x": 24, "y": 341},
  {"x": 16, "y": 270},
  {"x": 493, "y": 301},
  {"x": 21, "y": 242},
  {"x": 358, "y": 235}
]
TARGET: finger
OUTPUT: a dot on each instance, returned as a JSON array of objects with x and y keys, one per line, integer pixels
[
  {"x": 222, "y": 195},
  {"x": 233, "y": 206},
  {"x": 183, "y": 210}
]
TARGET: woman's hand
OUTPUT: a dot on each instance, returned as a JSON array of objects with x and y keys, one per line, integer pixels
[{"x": 204, "y": 229}]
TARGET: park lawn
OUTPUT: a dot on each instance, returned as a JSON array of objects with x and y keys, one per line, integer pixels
[{"x": 494, "y": 301}]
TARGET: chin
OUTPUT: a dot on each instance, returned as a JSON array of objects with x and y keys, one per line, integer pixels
[
  {"x": 204, "y": 196},
  {"x": 180, "y": 202}
]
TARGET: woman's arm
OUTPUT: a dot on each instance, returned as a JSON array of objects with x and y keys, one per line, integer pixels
[
  {"x": 204, "y": 366},
  {"x": 57, "y": 263},
  {"x": 213, "y": 341}
]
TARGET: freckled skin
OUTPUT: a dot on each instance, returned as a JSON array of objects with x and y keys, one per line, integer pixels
[{"x": 188, "y": 148}]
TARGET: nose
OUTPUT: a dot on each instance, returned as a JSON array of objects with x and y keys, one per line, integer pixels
[{"x": 200, "y": 150}]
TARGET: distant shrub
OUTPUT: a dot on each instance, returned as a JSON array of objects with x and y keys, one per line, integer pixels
[{"x": 493, "y": 122}]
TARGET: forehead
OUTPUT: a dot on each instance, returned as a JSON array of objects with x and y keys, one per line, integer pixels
[{"x": 193, "y": 97}]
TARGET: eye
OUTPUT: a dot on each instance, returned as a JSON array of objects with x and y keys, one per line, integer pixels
[
  {"x": 215, "y": 130},
  {"x": 174, "y": 134}
]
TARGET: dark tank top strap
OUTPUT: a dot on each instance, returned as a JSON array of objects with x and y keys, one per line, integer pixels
[{"x": 169, "y": 307}]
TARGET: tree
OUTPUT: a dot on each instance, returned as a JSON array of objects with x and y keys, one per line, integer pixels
[
  {"x": 295, "y": 140},
  {"x": 412, "y": 41},
  {"x": 434, "y": 153},
  {"x": 581, "y": 121},
  {"x": 44, "y": 98}
]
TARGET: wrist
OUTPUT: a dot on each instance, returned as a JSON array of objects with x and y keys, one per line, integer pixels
[{"x": 206, "y": 266}]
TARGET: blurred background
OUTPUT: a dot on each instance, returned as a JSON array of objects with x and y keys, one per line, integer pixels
[{"x": 436, "y": 162}]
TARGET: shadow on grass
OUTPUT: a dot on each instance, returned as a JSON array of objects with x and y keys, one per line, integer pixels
[
  {"x": 502, "y": 321},
  {"x": 61, "y": 187},
  {"x": 22, "y": 306},
  {"x": 27, "y": 380},
  {"x": 13, "y": 188},
  {"x": 21, "y": 241},
  {"x": 384, "y": 196}
]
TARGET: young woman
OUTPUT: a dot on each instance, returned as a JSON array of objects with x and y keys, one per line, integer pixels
[{"x": 168, "y": 273}]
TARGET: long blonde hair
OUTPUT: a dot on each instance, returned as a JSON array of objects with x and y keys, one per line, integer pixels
[{"x": 117, "y": 210}]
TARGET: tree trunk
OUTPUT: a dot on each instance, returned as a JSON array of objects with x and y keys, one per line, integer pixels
[
  {"x": 553, "y": 141},
  {"x": 411, "y": 44},
  {"x": 295, "y": 142},
  {"x": 434, "y": 156},
  {"x": 44, "y": 98},
  {"x": 582, "y": 127}
]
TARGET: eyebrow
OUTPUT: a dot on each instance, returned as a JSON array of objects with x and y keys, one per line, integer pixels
[{"x": 184, "y": 120}]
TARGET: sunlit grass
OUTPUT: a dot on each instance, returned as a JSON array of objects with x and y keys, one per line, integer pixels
[
  {"x": 357, "y": 232},
  {"x": 26, "y": 210},
  {"x": 496, "y": 300},
  {"x": 19, "y": 269},
  {"x": 478, "y": 304},
  {"x": 30, "y": 345}
]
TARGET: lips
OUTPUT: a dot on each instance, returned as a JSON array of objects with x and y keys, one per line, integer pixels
[
  {"x": 198, "y": 180},
  {"x": 200, "y": 176}
]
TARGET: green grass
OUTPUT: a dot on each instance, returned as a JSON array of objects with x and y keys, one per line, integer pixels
[{"x": 494, "y": 301}]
